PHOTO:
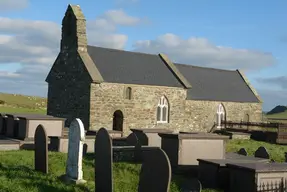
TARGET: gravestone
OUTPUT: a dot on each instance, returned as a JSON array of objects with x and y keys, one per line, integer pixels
[
  {"x": 261, "y": 152},
  {"x": 74, "y": 172},
  {"x": 242, "y": 151},
  {"x": 155, "y": 172},
  {"x": 41, "y": 149},
  {"x": 103, "y": 162},
  {"x": 191, "y": 185}
]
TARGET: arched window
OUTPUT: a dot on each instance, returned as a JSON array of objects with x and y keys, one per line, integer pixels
[
  {"x": 220, "y": 115},
  {"x": 162, "y": 112},
  {"x": 128, "y": 93}
]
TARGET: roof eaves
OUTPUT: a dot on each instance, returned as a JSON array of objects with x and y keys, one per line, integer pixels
[
  {"x": 91, "y": 67},
  {"x": 175, "y": 71},
  {"x": 249, "y": 85}
]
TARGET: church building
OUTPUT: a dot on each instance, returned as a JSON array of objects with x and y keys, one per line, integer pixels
[{"x": 120, "y": 90}]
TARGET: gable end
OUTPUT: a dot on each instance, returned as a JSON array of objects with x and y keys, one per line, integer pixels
[
  {"x": 175, "y": 71},
  {"x": 249, "y": 85}
]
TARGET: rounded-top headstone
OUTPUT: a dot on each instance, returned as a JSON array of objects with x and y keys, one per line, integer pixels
[
  {"x": 103, "y": 162},
  {"x": 242, "y": 151},
  {"x": 155, "y": 172},
  {"x": 41, "y": 149},
  {"x": 262, "y": 152}
]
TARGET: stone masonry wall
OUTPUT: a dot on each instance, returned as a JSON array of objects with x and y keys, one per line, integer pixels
[
  {"x": 69, "y": 89},
  {"x": 140, "y": 111},
  {"x": 202, "y": 114}
]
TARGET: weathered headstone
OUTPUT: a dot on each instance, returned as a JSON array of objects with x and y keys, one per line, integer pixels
[
  {"x": 41, "y": 149},
  {"x": 242, "y": 151},
  {"x": 74, "y": 172},
  {"x": 261, "y": 152},
  {"x": 103, "y": 162},
  {"x": 192, "y": 185},
  {"x": 155, "y": 172}
]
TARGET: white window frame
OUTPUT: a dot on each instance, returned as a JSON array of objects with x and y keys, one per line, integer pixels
[
  {"x": 220, "y": 113},
  {"x": 162, "y": 103}
]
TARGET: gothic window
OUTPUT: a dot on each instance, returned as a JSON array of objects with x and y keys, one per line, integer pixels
[
  {"x": 162, "y": 112},
  {"x": 220, "y": 115},
  {"x": 128, "y": 93}
]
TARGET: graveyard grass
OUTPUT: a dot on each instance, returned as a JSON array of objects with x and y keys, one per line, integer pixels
[{"x": 17, "y": 174}]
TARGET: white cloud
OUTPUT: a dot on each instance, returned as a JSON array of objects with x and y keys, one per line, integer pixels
[
  {"x": 29, "y": 43},
  {"x": 9, "y": 5},
  {"x": 200, "y": 51}
]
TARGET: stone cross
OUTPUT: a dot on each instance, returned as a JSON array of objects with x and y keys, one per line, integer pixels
[
  {"x": 155, "y": 172},
  {"x": 74, "y": 172},
  {"x": 261, "y": 152},
  {"x": 41, "y": 149},
  {"x": 242, "y": 151},
  {"x": 103, "y": 162}
]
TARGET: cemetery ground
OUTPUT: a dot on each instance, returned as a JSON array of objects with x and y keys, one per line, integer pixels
[{"x": 17, "y": 170}]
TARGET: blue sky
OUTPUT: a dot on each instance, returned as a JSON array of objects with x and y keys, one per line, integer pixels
[{"x": 253, "y": 35}]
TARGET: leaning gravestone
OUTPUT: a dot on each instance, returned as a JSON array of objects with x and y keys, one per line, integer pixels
[
  {"x": 41, "y": 149},
  {"x": 242, "y": 151},
  {"x": 103, "y": 162},
  {"x": 74, "y": 172},
  {"x": 261, "y": 152},
  {"x": 155, "y": 172}
]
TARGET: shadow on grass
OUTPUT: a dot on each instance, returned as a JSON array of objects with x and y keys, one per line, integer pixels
[{"x": 22, "y": 177}]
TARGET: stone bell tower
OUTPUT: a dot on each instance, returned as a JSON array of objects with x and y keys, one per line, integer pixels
[{"x": 74, "y": 36}]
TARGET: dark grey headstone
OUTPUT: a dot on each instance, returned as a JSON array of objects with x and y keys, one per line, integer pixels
[
  {"x": 261, "y": 152},
  {"x": 242, "y": 151},
  {"x": 192, "y": 185},
  {"x": 155, "y": 172},
  {"x": 85, "y": 149},
  {"x": 41, "y": 149},
  {"x": 132, "y": 139},
  {"x": 103, "y": 162}
]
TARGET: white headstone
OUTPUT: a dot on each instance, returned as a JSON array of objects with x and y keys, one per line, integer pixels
[{"x": 75, "y": 150}]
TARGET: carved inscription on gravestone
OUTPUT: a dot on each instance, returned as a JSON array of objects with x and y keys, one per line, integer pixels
[
  {"x": 103, "y": 162},
  {"x": 41, "y": 149}
]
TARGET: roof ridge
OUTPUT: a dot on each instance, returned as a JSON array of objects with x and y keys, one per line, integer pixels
[
  {"x": 212, "y": 68},
  {"x": 121, "y": 50}
]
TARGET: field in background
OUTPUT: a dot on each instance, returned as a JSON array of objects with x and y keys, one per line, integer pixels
[{"x": 15, "y": 103}]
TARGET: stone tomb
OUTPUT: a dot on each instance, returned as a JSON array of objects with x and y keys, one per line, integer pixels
[
  {"x": 213, "y": 173},
  {"x": 3, "y": 124},
  {"x": 185, "y": 149},
  {"x": 41, "y": 149},
  {"x": 23, "y": 126},
  {"x": 150, "y": 137},
  {"x": 103, "y": 162},
  {"x": 249, "y": 177},
  {"x": 74, "y": 172}
]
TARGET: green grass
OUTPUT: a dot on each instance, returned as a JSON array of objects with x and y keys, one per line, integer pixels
[
  {"x": 17, "y": 174},
  {"x": 276, "y": 151}
]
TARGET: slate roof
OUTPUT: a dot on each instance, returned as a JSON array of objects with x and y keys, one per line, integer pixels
[
  {"x": 118, "y": 66},
  {"x": 126, "y": 67},
  {"x": 216, "y": 84}
]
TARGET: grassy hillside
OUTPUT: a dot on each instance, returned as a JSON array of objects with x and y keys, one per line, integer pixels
[{"x": 15, "y": 103}]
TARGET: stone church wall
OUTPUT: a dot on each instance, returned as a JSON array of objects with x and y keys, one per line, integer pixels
[{"x": 140, "y": 110}]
